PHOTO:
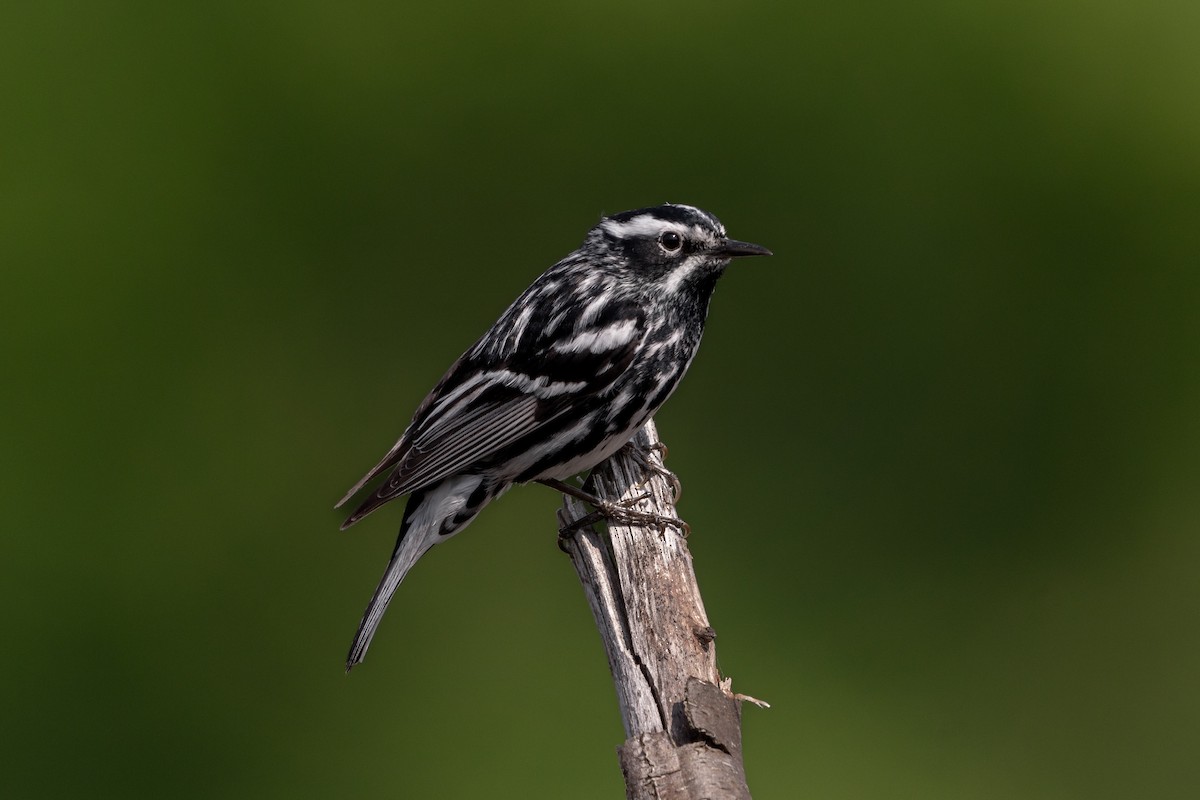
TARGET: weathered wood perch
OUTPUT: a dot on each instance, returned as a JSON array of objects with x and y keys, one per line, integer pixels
[{"x": 682, "y": 723}]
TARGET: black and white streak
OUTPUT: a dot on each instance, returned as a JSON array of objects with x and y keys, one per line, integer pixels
[{"x": 562, "y": 380}]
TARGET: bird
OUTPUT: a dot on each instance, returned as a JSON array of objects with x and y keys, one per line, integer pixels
[{"x": 560, "y": 382}]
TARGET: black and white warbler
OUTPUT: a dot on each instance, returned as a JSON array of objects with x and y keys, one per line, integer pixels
[{"x": 562, "y": 380}]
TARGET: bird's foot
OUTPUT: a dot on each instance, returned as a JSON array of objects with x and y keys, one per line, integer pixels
[
  {"x": 621, "y": 512},
  {"x": 657, "y": 467}
]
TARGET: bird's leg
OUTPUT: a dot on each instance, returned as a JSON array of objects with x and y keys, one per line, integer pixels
[
  {"x": 582, "y": 494},
  {"x": 606, "y": 508}
]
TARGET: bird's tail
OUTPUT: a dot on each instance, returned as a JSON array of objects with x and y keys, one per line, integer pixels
[{"x": 431, "y": 516}]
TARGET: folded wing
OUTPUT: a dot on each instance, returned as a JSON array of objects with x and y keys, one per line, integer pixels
[{"x": 482, "y": 406}]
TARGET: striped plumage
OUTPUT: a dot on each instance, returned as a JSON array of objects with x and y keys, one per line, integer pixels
[{"x": 559, "y": 383}]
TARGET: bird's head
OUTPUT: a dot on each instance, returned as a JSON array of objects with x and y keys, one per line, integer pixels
[{"x": 672, "y": 247}]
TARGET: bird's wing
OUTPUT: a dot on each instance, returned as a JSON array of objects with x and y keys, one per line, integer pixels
[{"x": 485, "y": 404}]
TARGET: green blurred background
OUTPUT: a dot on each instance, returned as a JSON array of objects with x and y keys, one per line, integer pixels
[{"x": 941, "y": 454}]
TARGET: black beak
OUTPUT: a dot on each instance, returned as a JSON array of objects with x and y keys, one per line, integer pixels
[{"x": 732, "y": 248}]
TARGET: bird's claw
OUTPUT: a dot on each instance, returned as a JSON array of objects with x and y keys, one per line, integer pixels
[
  {"x": 622, "y": 513},
  {"x": 650, "y": 465}
]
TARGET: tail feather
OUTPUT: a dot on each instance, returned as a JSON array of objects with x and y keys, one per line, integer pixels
[
  {"x": 411, "y": 545},
  {"x": 432, "y": 516}
]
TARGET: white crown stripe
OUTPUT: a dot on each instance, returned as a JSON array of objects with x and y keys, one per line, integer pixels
[{"x": 641, "y": 225}]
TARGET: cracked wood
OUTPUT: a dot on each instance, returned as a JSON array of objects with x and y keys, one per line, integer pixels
[{"x": 683, "y": 728}]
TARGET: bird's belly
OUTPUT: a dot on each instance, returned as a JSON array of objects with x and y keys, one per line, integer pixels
[{"x": 585, "y": 461}]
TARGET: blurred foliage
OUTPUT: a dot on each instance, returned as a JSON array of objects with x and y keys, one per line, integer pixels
[{"x": 940, "y": 454}]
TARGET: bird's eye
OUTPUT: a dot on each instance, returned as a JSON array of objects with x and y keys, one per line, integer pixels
[{"x": 670, "y": 241}]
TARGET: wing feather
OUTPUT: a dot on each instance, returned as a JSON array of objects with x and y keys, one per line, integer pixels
[{"x": 479, "y": 409}]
